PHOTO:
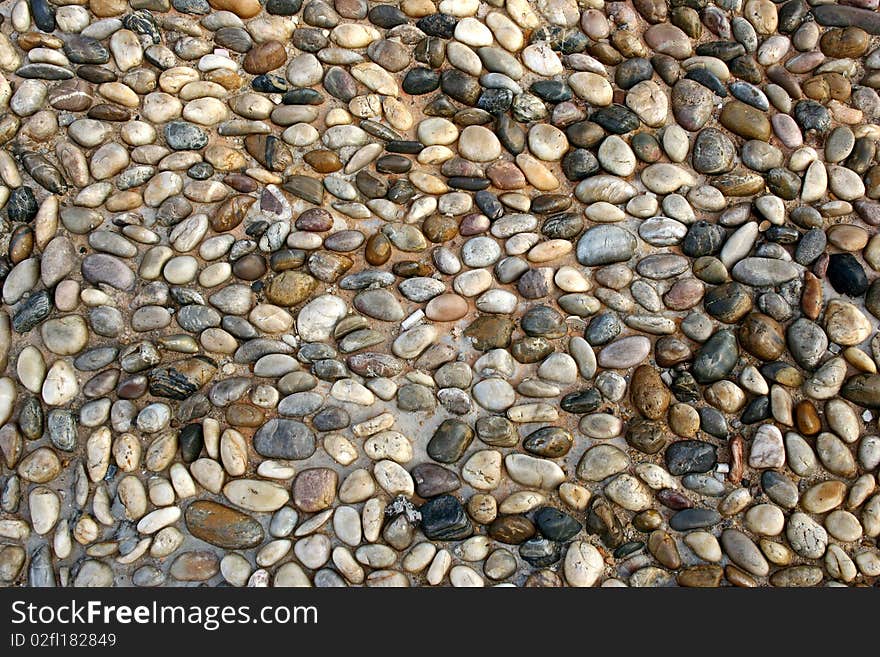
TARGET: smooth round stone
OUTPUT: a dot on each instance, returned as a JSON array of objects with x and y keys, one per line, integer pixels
[
  {"x": 743, "y": 552},
  {"x": 843, "y": 526},
  {"x": 446, "y": 308},
  {"x": 449, "y": 441},
  {"x": 480, "y": 252},
  {"x": 444, "y": 518},
  {"x": 601, "y": 462},
  {"x": 692, "y": 104},
  {"x": 180, "y": 270},
  {"x": 478, "y": 144},
  {"x": 668, "y": 40},
  {"x": 494, "y": 394},
  {"x": 688, "y": 456},
  {"x": 542, "y": 60},
  {"x": 839, "y": 144},
  {"x": 379, "y": 304},
  {"x": 845, "y": 324},
  {"x": 222, "y": 526},
  {"x": 807, "y": 342},
  {"x": 65, "y": 336},
  {"x": 806, "y": 537},
  {"x": 625, "y": 352},
  {"x": 765, "y": 519},
  {"x": 180, "y": 135},
  {"x": 547, "y": 142},
  {"x": 846, "y": 274},
  {"x": 591, "y": 87},
  {"x": 616, "y": 157},
  {"x": 845, "y": 183},
  {"x": 602, "y": 245},
  {"x": 95, "y": 573},
  {"x": 713, "y": 152},
  {"x": 432, "y": 480},
  {"x": 648, "y": 101},
  {"x": 779, "y": 489},
  {"x": 437, "y": 131}
]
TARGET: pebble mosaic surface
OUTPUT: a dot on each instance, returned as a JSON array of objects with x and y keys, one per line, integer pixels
[{"x": 457, "y": 293}]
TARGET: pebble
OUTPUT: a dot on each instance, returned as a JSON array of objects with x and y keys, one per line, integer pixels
[{"x": 595, "y": 291}]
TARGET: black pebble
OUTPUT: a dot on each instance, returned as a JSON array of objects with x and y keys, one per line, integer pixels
[
  {"x": 551, "y": 91},
  {"x": 386, "y": 16},
  {"x": 22, "y": 206},
  {"x": 283, "y": 7},
  {"x": 444, "y": 519},
  {"x": 708, "y": 79},
  {"x": 43, "y": 14},
  {"x": 302, "y": 96},
  {"x": 540, "y": 552},
  {"x": 810, "y": 115},
  {"x": 438, "y": 25},
  {"x": 846, "y": 275},
  {"x": 756, "y": 410},
  {"x": 270, "y": 84},
  {"x": 420, "y": 80},
  {"x": 495, "y": 101},
  {"x": 200, "y": 171},
  {"x": 686, "y": 456},
  {"x": 556, "y": 525},
  {"x": 616, "y": 119},
  {"x": 191, "y": 440},
  {"x": 198, "y": 7}
]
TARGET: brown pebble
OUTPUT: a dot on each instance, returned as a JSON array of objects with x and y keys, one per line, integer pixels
[
  {"x": 506, "y": 175},
  {"x": 685, "y": 293},
  {"x": 241, "y": 183},
  {"x": 663, "y": 547},
  {"x": 848, "y": 237},
  {"x": 323, "y": 161},
  {"x": 244, "y": 415},
  {"x": 229, "y": 80},
  {"x": 314, "y": 219},
  {"x": 231, "y": 213},
  {"x": 269, "y": 151},
  {"x": 30, "y": 40},
  {"x": 71, "y": 96},
  {"x": 314, "y": 489},
  {"x": 106, "y": 112},
  {"x": 21, "y": 243},
  {"x": 844, "y": 43},
  {"x": 249, "y": 267},
  {"x": 669, "y": 351},
  {"x": 543, "y": 579},
  {"x": 264, "y": 58},
  {"x": 739, "y": 577},
  {"x": 411, "y": 268},
  {"x": 701, "y": 576},
  {"x": 808, "y": 421},
  {"x": 647, "y": 521},
  {"x": 811, "y": 297},
  {"x": 512, "y": 530},
  {"x": 745, "y": 121},
  {"x": 378, "y": 249},
  {"x": 649, "y": 394},
  {"x": 684, "y": 420},
  {"x": 446, "y": 308},
  {"x": 473, "y": 224},
  {"x": 762, "y": 336},
  {"x": 736, "y": 446},
  {"x": 439, "y": 228},
  {"x": 290, "y": 288}
]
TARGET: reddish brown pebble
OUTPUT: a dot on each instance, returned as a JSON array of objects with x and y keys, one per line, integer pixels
[{"x": 807, "y": 418}]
